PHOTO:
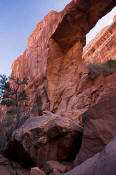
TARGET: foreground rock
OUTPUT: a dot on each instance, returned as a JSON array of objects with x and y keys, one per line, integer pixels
[
  {"x": 11, "y": 168},
  {"x": 103, "y": 163},
  {"x": 48, "y": 137},
  {"x": 99, "y": 129}
]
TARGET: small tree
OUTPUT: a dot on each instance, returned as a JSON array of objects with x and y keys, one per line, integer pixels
[
  {"x": 13, "y": 96},
  {"x": 3, "y": 81}
]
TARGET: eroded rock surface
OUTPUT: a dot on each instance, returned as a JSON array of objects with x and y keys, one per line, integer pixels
[
  {"x": 52, "y": 60},
  {"x": 49, "y": 137},
  {"x": 59, "y": 83}
]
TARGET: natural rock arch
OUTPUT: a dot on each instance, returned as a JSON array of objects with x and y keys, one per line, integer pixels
[
  {"x": 78, "y": 18},
  {"x": 64, "y": 65},
  {"x": 53, "y": 57}
]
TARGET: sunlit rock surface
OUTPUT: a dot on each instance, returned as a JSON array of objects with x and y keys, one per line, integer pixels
[
  {"x": 53, "y": 62},
  {"x": 103, "y": 46}
]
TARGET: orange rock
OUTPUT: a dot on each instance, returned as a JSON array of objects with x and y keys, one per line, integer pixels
[
  {"x": 59, "y": 81},
  {"x": 103, "y": 46},
  {"x": 52, "y": 60}
]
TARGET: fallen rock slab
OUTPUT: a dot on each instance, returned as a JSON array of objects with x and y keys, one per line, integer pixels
[
  {"x": 99, "y": 128},
  {"x": 103, "y": 163}
]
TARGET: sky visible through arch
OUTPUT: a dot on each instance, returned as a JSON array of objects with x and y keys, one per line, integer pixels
[
  {"x": 104, "y": 21},
  {"x": 18, "y": 18}
]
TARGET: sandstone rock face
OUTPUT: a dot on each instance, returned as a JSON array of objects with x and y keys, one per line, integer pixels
[
  {"x": 9, "y": 167},
  {"x": 101, "y": 163},
  {"x": 78, "y": 18},
  {"x": 99, "y": 128},
  {"x": 52, "y": 60},
  {"x": 103, "y": 46},
  {"x": 33, "y": 63},
  {"x": 59, "y": 86},
  {"x": 44, "y": 138}
]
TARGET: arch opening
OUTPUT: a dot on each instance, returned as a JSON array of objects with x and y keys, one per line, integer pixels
[{"x": 103, "y": 22}]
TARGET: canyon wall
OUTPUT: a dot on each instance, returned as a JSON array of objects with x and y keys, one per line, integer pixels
[
  {"x": 59, "y": 82},
  {"x": 53, "y": 62}
]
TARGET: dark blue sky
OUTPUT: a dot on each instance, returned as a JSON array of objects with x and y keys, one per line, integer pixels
[{"x": 18, "y": 18}]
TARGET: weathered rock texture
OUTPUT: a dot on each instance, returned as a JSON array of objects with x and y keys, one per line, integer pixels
[
  {"x": 53, "y": 58},
  {"x": 48, "y": 137},
  {"x": 101, "y": 164},
  {"x": 103, "y": 46},
  {"x": 59, "y": 83}
]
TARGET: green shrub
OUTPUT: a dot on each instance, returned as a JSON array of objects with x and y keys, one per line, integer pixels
[
  {"x": 111, "y": 64},
  {"x": 107, "y": 68}
]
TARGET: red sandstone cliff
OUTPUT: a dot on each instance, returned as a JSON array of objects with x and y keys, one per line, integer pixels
[
  {"x": 58, "y": 80},
  {"x": 59, "y": 83}
]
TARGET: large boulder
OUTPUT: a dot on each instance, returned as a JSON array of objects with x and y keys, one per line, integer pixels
[
  {"x": 103, "y": 163},
  {"x": 99, "y": 128},
  {"x": 48, "y": 137}
]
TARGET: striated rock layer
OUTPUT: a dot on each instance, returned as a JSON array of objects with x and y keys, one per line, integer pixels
[
  {"x": 103, "y": 46},
  {"x": 52, "y": 60}
]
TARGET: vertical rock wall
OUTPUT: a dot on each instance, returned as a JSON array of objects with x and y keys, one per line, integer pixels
[{"x": 52, "y": 60}]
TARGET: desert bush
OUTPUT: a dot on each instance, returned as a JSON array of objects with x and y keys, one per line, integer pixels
[
  {"x": 107, "y": 68},
  {"x": 111, "y": 64},
  {"x": 14, "y": 98}
]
